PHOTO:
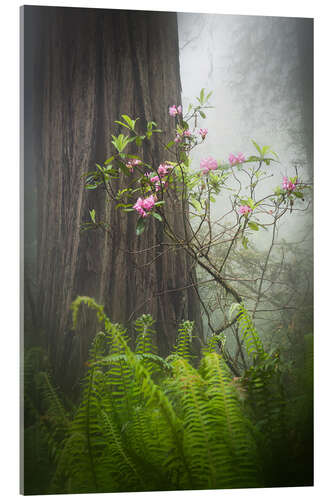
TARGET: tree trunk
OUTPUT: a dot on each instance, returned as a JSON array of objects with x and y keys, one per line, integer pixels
[{"x": 91, "y": 67}]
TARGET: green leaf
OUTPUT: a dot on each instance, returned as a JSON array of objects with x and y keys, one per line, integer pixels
[
  {"x": 139, "y": 140},
  {"x": 121, "y": 142},
  {"x": 202, "y": 114},
  {"x": 254, "y": 226},
  {"x": 129, "y": 121},
  {"x": 123, "y": 205},
  {"x": 109, "y": 160},
  {"x": 93, "y": 215},
  {"x": 196, "y": 204},
  {"x": 253, "y": 158},
  {"x": 122, "y": 124},
  {"x": 169, "y": 145},
  {"x": 250, "y": 202},
  {"x": 256, "y": 146},
  {"x": 202, "y": 95},
  {"x": 208, "y": 95},
  {"x": 183, "y": 157},
  {"x": 157, "y": 216},
  {"x": 140, "y": 226},
  {"x": 245, "y": 242}
]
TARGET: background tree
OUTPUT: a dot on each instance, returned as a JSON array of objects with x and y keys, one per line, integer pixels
[{"x": 91, "y": 66}]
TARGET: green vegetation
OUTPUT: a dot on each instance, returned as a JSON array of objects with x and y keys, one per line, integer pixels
[{"x": 146, "y": 423}]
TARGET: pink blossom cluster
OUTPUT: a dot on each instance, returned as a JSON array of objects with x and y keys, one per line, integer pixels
[
  {"x": 175, "y": 110},
  {"x": 233, "y": 160},
  {"x": 203, "y": 132},
  {"x": 163, "y": 170},
  {"x": 185, "y": 133},
  {"x": 288, "y": 185},
  {"x": 144, "y": 205},
  {"x": 133, "y": 163},
  {"x": 158, "y": 182},
  {"x": 244, "y": 210},
  {"x": 208, "y": 164}
]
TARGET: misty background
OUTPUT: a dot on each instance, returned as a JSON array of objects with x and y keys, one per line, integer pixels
[{"x": 260, "y": 70}]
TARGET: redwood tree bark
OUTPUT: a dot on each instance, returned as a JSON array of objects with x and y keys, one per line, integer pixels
[{"x": 91, "y": 66}]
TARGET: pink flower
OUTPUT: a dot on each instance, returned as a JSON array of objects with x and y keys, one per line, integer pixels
[
  {"x": 133, "y": 163},
  {"x": 244, "y": 210},
  {"x": 142, "y": 206},
  {"x": 288, "y": 185},
  {"x": 159, "y": 184},
  {"x": 203, "y": 132},
  {"x": 178, "y": 138},
  {"x": 139, "y": 207},
  {"x": 208, "y": 164},
  {"x": 148, "y": 203},
  {"x": 174, "y": 110},
  {"x": 154, "y": 179},
  {"x": 157, "y": 179},
  {"x": 162, "y": 169},
  {"x": 187, "y": 133},
  {"x": 233, "y": 160},
  {"x": 240, "y": 158}
]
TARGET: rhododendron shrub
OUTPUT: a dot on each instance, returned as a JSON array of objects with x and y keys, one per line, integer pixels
[{"x": 150, "y": 189}]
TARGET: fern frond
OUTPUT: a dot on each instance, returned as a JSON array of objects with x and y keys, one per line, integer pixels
[
  {"x": 253, "y": 343},
  {"x": 197, "y": 424},
  {"x": 145, "y": 333},
  {"x": 151, "y": 396},
  {"x": 184, "y": 340},
  {"x": 233, "y": 447}
]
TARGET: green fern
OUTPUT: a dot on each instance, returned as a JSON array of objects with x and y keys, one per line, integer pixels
[
  {"x": 184, "y": 340},
  {"x": 145, "y": 334},
  {"x": 185, "y": 429},
  {"x": 97, "y": 421},
  {"x": 252, "y": 341},
  {"x": 234, "y": 448},
  {"x": 46, "y": 422}
]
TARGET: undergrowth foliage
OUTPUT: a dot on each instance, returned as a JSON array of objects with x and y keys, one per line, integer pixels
[{"x": 146, "y": 423}]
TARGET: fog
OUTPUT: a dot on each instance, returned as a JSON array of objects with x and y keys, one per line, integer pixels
[{"x": 260, "y": 72}]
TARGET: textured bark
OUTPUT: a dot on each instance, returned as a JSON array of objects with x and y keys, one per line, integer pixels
[{"x": 91, "y": 67}]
